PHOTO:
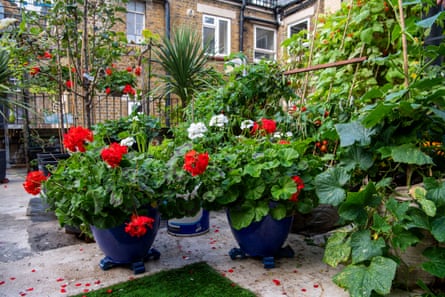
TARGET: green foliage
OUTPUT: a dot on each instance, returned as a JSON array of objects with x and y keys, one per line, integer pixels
[
  {"x": 389, "y": 132},
  {"x": 184, "y": 61}
]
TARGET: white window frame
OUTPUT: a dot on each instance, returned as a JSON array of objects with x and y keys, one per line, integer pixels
[
  {"x": 261, "y": 50},
  {"x": 215, "y": 26},
  {"x": 136, "y": 38},
  {"x": 307, "y": 21}
]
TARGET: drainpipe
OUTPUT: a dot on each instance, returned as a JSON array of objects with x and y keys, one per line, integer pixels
[
  {"x": 241, "y": 27},
  {"x": 167, "y": 35}
]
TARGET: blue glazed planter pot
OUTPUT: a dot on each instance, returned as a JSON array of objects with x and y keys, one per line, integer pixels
[
  {"x": 264, "y": 238},
  {"x": 121, "y": 248}
]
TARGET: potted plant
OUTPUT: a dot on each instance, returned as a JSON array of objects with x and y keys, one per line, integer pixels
[
  {"x": 249, "y": 157},
  {"x": 108, "y": 187}
]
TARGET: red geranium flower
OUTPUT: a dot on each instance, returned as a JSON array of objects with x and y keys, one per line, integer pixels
[
  {"x": 34, "y": 70},
  {"x": 47, "y": 55},
  {"x": 128, "y": 89},
  {"x": 129, "y": 69},
  {"x": 108, "y": 90},
  {"x": 266, "y": 125},
  {"x": 138, "y": 225},
  {"x": 195, "y": 163},
  {"x": 284, "y": 141},
  {"x": 69, "y": 84},
  {"x": 138, "y": 71},
  {"x": 300, "y": 186},
  {"x": 108, "y": 71},
  {"x": 113, "y": 154},
  {"x": 76, "y": 137},
  {"x": 34, "y": 181}
]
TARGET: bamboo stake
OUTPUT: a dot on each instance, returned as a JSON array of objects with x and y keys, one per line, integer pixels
[{"x": 404, "y": 43}]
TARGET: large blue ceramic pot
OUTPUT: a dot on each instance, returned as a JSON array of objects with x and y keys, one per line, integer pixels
[
  {"x": 264, "y": 238},
  {"x": 121, "y": 248}
]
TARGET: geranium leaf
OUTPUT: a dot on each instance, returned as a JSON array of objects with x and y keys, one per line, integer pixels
[
  {"x": 436, "y": 265},
  {"x": 364, "y": 247},
  {"x": 283, "y": 189},
  {"x": 329, "y": 185},
  {"x": 116, "y": 198},
  {"x": 361, "y": 280},
  {"x": 253, "y": 169},
  {"x": 337, "y": 249},
  {"x": 410, "y": 154},
  {"x": 242, "y": 217},
  {"x": 279, "y": 212}
]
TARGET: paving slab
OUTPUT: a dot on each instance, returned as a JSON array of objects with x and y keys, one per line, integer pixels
[{"x": 38, "y": 258}]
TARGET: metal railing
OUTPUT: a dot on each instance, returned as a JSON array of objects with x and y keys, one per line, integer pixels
[{"x": 44, "y": 111}]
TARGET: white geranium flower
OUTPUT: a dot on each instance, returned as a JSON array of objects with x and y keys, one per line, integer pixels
[
  {"x": 247, "y": 124},
  {"x": 218, "y": 120},
  {"x": 196, "y": 130},
  {"x": 277, "y": 134},
  {"x": 289, "y": 134},
  {"x": 129, "y": 141}
]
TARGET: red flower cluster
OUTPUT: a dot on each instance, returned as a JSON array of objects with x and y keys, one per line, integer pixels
[
  {"x": 137, "y": 71},
  {"x": 138, "y": 225},
  {"x": 266, "y": 125},
  {"x": 108, "y": 71},
  {"x": 128, "y": 89},
  {"x": 76, "y": 137},
  {"x": 283, "y": 141},
  {"x": 69, "y": 84},
  {"x": 196, "y": 163},
  {"x": 108, "y": 90},
  {"x": 113, "y": 154},
  {"x": 34, "y": 71},
  {"x": 34, "y": 181},
  {"x": 300, "y": 186}
]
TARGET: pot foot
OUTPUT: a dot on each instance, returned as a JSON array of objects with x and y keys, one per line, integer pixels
[
  {"x": 138, "y": 266},
  {"x": 269, "y": 261}
]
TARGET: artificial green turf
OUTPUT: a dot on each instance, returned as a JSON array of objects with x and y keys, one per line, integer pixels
[{"x": 194, "y": 280}]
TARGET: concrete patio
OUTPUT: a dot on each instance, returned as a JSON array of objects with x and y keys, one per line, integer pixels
[{"x": 39, "y": 259}]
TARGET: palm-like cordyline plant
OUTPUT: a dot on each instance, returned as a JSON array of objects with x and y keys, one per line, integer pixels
[{"x": 183, "y": 58}]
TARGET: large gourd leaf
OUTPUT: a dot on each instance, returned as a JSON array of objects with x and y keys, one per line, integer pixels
[
  {"x": 436, "y": 265},
  {"x": 409, "y": 154},
  {"x": 361, "y": 280},
  {"x": 353, "y": 132},
  {"x": 337, "y": 249},
  {"x": 329, "y": 185},
  {"x": 364, "y": 247}
]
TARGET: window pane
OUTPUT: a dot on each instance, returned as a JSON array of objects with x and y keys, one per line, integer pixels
[
  {"x": 294, "y": 29},
  {"x": 140, "y": 7},
  {"x": 209, "y": 20},
  {"x": 223, "y": 37},
  {"x": 264, "y": 39},
  {"x": 209, "y": 39},
  {"x": 139, "y": 24},
  {"x": 259, "y": 56},
  {"x": 131, "y": 24}
]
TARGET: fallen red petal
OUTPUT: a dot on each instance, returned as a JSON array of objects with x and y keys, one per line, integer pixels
[
  {"x": 97, "y": 282},
  {"x": 86, "y": 290},
  {"x": 30, "y": 289},
  {"x": 59, "y": 279},
  {"x": 316, "y": 285},
  {"x": 78, "y": 284},
  {"x": 87, "y": 284},
  {"x": 230, "y": 270},
  {"x": 2, "y": 282},
  {"x": 22, "y": 294},
  {"x": 62, "y": 290},
  {"x": 276, "y": 282},
  {"x": 12, "y": 278},
  {"x": 303, "y": 290},
  {"x": 33, "y": 270}
]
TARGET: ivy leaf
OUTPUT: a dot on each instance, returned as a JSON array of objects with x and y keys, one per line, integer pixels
[
  {"x": 364, "y": 248},
  {"x": 353, "y": 132},
  {"x": 436, "y": 265},
  {"x": 338, "y": 249},
  {"x": 329, "y": 185},
  {"x": 409, "y": 154},
  {"x": 361, "y": 280}
]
